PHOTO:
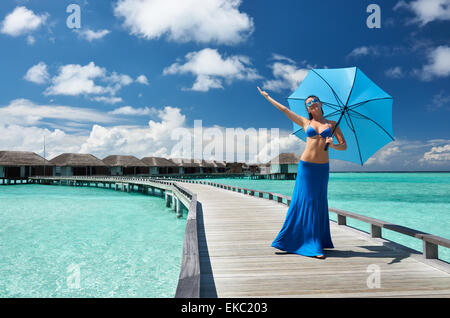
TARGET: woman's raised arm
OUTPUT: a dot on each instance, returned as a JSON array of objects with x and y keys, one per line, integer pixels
[{"x": 299, "y": 120}]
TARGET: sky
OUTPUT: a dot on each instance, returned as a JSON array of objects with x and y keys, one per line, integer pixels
[{"x": 135, "y": 77}]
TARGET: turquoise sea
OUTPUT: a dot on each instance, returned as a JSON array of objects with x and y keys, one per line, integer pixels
[
  {"x": 61, "y": 241},
  {"x": 417, "y": 200}
]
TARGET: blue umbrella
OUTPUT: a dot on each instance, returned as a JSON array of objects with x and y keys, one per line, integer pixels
[{"x": 362, "y": 110}]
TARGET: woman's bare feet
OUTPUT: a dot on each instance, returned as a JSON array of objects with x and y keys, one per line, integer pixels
[{"x": 320, "y": 256}]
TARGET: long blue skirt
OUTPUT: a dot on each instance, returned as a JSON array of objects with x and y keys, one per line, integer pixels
[{"x": 306, "y": 229}]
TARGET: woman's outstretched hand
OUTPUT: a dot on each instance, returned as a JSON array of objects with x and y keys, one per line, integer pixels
[{"x": 263, "y": 93}]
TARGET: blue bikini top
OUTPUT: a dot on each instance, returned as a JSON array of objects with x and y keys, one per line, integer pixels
[{"x": 311, "y": 132}]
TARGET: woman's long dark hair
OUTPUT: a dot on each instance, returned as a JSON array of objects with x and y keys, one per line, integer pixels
[{"x": 309, "y": 114}]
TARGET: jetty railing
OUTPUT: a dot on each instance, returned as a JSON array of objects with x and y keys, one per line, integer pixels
[
  {"x": 189, "y": 279},
  {"x": 430, "y": 242}
]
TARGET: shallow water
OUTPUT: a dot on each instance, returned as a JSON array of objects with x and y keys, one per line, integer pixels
[{"x": 60, "y": 241}]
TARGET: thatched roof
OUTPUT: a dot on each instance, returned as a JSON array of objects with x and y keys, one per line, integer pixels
[
  {"x": 77, "y": 160},
  {"x": 22, "y": 158},
  {"x": 220, "y": 163},
  {"x": 183, "y": 162},
  {"x": 286, "y": 158},
  {"x": 158, "y": 162},
  {"x": 123, "y": 161},
  {"x": 209, "y": 163}
]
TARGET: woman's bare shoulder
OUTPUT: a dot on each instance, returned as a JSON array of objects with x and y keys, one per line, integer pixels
[{"x": 332, "y": 122}]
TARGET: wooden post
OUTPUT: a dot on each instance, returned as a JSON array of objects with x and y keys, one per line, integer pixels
[
  {"x": 341, "y": 219},
  {"x": 179, "y": 209},
  {"x": 375, "y": 231},
  {"x": 430, "y": 250}
]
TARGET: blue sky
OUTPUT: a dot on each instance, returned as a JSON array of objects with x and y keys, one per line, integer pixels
[{"x": 138, "y": 70}]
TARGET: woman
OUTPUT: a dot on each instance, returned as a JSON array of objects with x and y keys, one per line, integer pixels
[{"x": 306, "y": 229}]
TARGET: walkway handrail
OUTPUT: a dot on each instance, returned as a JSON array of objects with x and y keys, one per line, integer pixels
[
  {"x": 189, "y": 279},
  {"x": 272, "y": 195},
  {"x": 430, "y": 242}
]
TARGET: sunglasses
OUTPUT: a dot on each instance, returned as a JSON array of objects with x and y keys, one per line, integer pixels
[{"x": 313, "y": 101}]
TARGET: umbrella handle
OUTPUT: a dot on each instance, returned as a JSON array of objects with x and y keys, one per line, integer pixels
[{"x": 332, "y": 133}]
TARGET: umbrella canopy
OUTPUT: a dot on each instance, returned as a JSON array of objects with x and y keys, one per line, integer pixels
[{"x": 362, "y": 110}]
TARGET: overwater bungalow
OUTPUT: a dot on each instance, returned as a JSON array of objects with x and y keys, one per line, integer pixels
[
  {"x": 213, "y": 166},
  {"x": 23, "y": 164},
  {"x": 160, "y": 165},
  {"x": 208, "y": 166},
  {"x": 284, "y": 166},
  {"x": 252, "y": 168},
  {"x": 78, "y": 164},
  {"x": 221, "y": 166},
  {"x": 187, "y": 166},
  {"x": 120, "y": 165},
  {"x": 234, "y": 167},
  {"x": 264, "y": 168}
]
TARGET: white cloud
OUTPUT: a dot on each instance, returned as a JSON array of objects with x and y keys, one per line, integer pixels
[
  {"x": 438, "y": 64},
  {"x": 362, "y": 51},
  {"x": 404, "y": 154},
  {"x": 19, "y": 132},
  {"x": 107, "y": 99},
  {"x": 91, "y": 35},
  {"x": 74, "y": 79},
  {"x": 31, "y": 40},
  {"x": 438, "y": 154},
  {"x": 287, "y": 75},
  {"x": 22, "y": 21},
  {"x": 394, "y": 72},
  {"x": 37, "y": 73},
  {"x": 204, "y": 83},
  {"x": 25, "y": 112},
  {"x": 384, "y": 155},
  {"x": 23, "y": 138},
  {"x": 129, "y": 110},
  {"x": 439, "y": 102},
  {"x": 212, "y": 21},
  {"x": 211, "y": 69},
  {"x": 90, "y": 79},
  {"x": 140, "y": 141},
  {"x": 142, "y": 79},
  {"x": 426, "y": 11}
]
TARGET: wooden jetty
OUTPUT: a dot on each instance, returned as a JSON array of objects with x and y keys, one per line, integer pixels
[{"x": 227, "y": 249}]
